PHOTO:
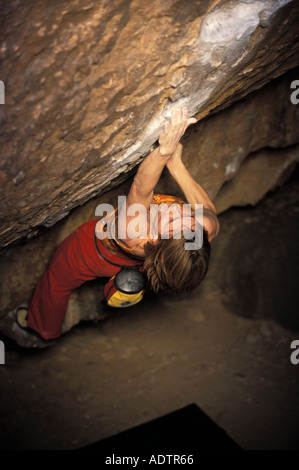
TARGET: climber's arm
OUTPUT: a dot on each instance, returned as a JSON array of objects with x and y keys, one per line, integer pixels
[
  {"x": 149, "y": 171},
  {"x": 146, "y": 179},
  {"x": 194, "y": 193}
]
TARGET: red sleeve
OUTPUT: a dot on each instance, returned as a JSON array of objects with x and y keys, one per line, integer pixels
[{"x": 109, "y": 289}]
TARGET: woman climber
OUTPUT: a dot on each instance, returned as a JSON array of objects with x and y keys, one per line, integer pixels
[{"x": 95, "y": 250}]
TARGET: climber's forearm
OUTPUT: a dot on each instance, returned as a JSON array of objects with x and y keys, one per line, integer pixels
[
  {"x": 194, "y": 193},
  {"x": 149, "y": 173}
]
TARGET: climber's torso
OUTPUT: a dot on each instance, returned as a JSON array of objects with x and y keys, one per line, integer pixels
[{"x": 136, "y": 246}]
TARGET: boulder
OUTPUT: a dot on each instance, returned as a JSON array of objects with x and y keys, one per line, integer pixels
[{"x": 88, "y": 86}]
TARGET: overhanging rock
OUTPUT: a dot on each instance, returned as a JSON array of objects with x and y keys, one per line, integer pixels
[{"x": 89, "y": 85}]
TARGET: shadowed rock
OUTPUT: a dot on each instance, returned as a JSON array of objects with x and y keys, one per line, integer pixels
[{"x": 260, "y": 173}]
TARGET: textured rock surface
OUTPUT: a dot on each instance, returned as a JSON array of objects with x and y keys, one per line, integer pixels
[
  {"x": 89, "y": 84},
  {"x": 260, "y": 173}
]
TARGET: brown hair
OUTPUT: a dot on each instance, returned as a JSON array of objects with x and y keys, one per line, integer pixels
[{"x": 172, "y": 268}]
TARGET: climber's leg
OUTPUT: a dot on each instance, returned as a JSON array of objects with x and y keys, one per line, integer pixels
[
  {"x": 72, "y": 264},
  {"x": 50, "y": 299}
]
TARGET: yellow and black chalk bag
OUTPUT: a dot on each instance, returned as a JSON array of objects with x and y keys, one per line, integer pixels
[{"x": 126, "y": 288}]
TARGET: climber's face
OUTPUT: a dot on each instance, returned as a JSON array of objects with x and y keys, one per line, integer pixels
[{"x": 175, "y": 225}]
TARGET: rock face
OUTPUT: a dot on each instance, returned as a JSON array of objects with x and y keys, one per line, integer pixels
[
  {"x": 261, "y": 172},
  {"x": 89, "y": 85}
]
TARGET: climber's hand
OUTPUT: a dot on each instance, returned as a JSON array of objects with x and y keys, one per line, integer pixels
[{"x": 173, "y": 131}]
